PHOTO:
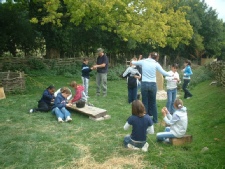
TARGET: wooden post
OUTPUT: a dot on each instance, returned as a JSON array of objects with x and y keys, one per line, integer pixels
[{"x": 2, "y": 93}]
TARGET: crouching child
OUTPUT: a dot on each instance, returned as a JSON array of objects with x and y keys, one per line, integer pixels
[{"x": 141, "y": 125}]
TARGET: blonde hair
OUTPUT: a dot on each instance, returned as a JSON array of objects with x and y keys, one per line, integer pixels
[
  {"x": 73, "y": 84},
  {"x": 65, "y": 90},
  {"x": 178, "y": 103}
]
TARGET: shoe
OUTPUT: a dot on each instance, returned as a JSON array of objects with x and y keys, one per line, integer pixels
[
  {"x": 89, "y": 104},
  {"x": 31, "y": 110},
  {"x": 60, "y": 120},
  {"x": 188, "y": 97},
  {"x": 68, "y": 119},
  {"x": 104, "y": 95},
  {"x": 97, "y": 94},
  {"x": 145, "y": 147},
  {"x": 132, "y": 147}
]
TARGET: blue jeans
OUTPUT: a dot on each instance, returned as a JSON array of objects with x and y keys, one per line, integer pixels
[
  {"x": 161, "y": 136},
  {"x": 63, "y": 113},
  {"x": 184, "y": 87},
  {"x": 132, "y": 94},
  {"x": 85, "y": 82},
  {"x": 171, "y": 97},
  {"x": 128, "y": 140},
  {"x": 148, "y": 92}
]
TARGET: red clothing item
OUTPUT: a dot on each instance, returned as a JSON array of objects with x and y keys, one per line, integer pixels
[{"x": 78, "y": 94}]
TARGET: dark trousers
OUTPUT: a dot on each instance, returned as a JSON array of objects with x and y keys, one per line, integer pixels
[
  {"x": 43, "y": 107},
  {"x": 132, "y": 94},
  {"x": 148, "y": 92},
  {"x": 184, "y": 87}
]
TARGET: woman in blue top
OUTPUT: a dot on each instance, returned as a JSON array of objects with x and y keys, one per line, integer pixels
[
  {"x": 187, "y": 78},
  {"x": 148, "y": 83}
]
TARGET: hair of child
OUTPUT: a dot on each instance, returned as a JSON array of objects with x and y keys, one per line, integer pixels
[
  {"x": 85, "y": 59},
  {"x": 65, "y": 90},
  {"x": 175, "y": 65},
  {"x": 188, "y": 62},
  {"x": 138, "y": 109},
  {"x": 178, "y": 103},
  {"x": 73, "y": 84},
  {"x": 51, "y": 87}
]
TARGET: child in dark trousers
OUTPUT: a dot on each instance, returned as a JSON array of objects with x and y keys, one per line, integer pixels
[
  {"x": 45, "y": 103},
  {"x": 85, "y": 75},
  {"x": 132, "y": 75},
  {"x": 187, "y": 78},
  {"x": 141, "y": 125}
]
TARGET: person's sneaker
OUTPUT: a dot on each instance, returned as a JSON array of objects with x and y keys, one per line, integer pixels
[
  {"x": 132, "y": 147},
  {"x": 31, "y": 110},
  {"x": 104, "y": 95},
  {"x": 145, "y": 147},
  {"x": 68, "y": 119},
  {"x": 97, "y": 94},
  {"x": 60, "y": 120},
  {"x": 89, "y": 104}
]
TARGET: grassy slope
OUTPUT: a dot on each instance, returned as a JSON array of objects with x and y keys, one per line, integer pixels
[{"x": 38, "y": 141}]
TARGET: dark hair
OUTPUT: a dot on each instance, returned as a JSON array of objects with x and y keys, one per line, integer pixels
[
  {"x": 51, "y": 87},
  {"x": 154, "y": 55},
  {"x": 175, "y": 65},
  {"x": 138, "y": 109},
  {"x": 188, "y": 62},
  {"x": 85, "y": 59}
]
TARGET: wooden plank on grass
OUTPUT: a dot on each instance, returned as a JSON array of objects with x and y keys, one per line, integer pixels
[{"x": 90, "y": 111}]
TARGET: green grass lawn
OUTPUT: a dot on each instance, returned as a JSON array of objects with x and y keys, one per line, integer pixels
[{"x": 38, "y": 141}]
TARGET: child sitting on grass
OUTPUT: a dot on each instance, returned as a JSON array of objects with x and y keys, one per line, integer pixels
[
  {"x": 60, "y": 104},
  {"x": 177, "y": 122},
  {"x": 80, "y": 96},
  {"x": 45, "y": 103},
  {"x": 141, "y": 125}
]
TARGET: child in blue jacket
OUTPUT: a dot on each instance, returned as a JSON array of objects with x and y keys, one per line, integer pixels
[
  {"x": 187, "y": 78},
  {"x": 60, "y": 104}
]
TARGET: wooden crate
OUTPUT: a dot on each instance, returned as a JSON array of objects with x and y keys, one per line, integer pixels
[
  {"x": 181, "y": 141},
  {"x": 12, "y": 81}
]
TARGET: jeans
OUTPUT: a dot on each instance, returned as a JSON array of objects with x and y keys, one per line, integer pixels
[
  {"x": 101, "y": 79},
  {"x": 128, "y": 140},
  {"x": 132, "y": 94},
  {"x": 171, "y": 97},
  {"x": 85, "y": 82},
  {"x": 62, "y": 113},
  {"x": 184, "y": 87},
  {"x": 161, "y": 136},
  {"x": 148, "y": 92}
]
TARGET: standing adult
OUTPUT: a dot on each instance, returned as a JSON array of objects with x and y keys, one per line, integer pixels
[
  {"x": 102, "y": 70},
  {"x": 148, "y": 83}
]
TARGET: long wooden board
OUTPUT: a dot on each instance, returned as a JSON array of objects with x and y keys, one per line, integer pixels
[{"x": 90, "y": 111}]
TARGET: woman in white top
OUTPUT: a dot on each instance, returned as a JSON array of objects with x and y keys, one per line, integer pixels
[{"x": 172, "y": 87}]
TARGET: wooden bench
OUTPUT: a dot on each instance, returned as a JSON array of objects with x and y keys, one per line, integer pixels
[
  {"x": 181, "y": 141},
  {"x": 94, "y": 113}
]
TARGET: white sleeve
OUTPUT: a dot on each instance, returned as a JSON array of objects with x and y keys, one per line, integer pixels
[
  {"x": 126, "y": 126},
  {"x": 126, "y": 72},
  {"x": 150, "y": 129},
  {"x": 174, "y": 119},
  {"x": 58, "y": 91}
]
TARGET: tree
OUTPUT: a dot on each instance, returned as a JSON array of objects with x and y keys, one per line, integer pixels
[{"x": 147, "y": 21}]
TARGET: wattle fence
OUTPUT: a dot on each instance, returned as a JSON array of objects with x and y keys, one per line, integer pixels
[{"x": 218, "y": 68}]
